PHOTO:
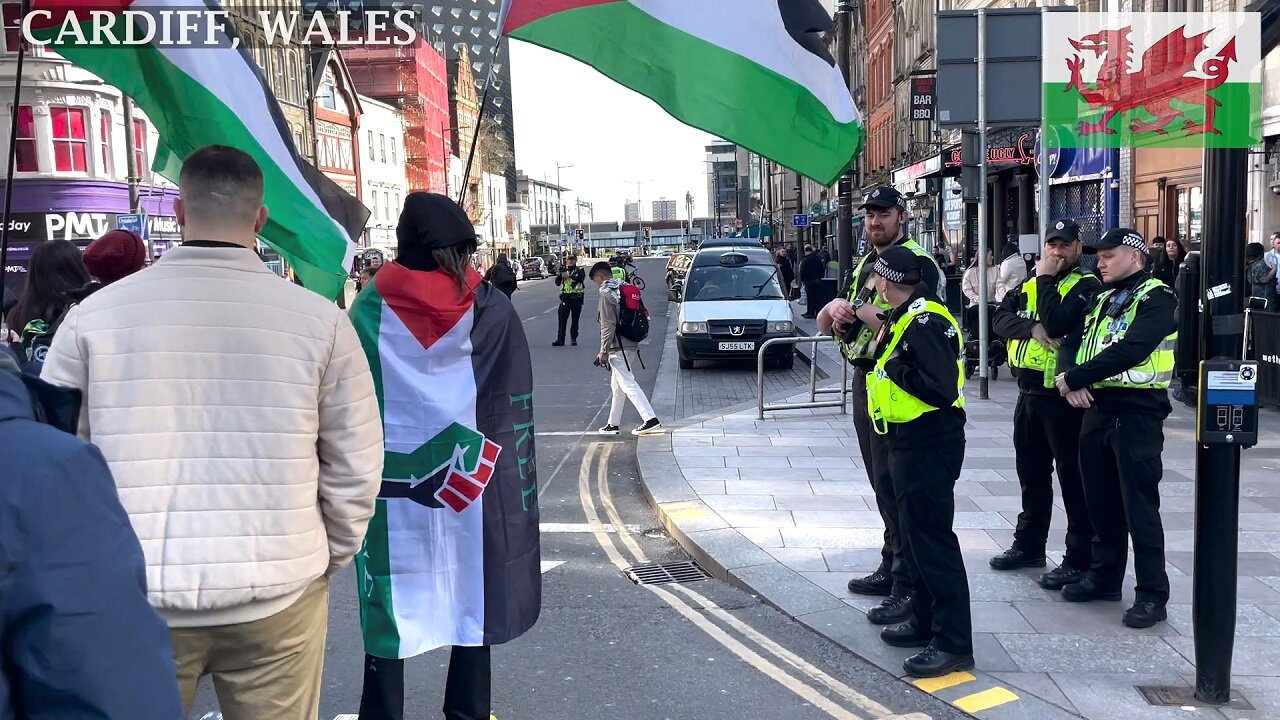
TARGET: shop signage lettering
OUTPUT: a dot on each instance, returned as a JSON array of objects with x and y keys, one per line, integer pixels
[
  {"x": 1004, "y": 147},
  {"x": 74, "y": 226},
  {"x": 163, "y": 225},
  {"x": 21, "y": 226},
  {"x": 923, "y": 98}
]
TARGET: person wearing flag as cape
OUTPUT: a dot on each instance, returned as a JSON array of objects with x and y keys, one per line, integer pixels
[{"x": 452, "y": 555}]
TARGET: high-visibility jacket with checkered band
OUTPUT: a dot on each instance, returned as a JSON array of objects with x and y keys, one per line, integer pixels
[
  {"x": 1030, "y": 353},
  {"x": 863, "y": 345},
  {"x": 886, "y": 401},
  {"x": 1101, "y": 332}
]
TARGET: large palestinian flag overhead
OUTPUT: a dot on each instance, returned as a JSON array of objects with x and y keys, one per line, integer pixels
[
  {"x": 755, "y": 72},
  {"x": 451, "y": 556},
  {"x": 214, "y": 94}
]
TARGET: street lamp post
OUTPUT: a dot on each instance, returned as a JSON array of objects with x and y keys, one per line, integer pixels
[{"x": 560, "y": 201}]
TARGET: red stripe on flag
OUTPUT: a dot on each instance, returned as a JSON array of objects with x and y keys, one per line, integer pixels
[
  {"x": 464, "y": 486},
  {"x": 428, "y": 303},
  {"x": 523, "y": 12},
  {"x": 483, "y": 473}
]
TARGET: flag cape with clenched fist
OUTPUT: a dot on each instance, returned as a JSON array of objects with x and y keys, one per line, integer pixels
[{"x": 451, "y": 557}]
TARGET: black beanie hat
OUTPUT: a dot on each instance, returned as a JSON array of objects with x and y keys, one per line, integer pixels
[{"x": 430, "y": 222}]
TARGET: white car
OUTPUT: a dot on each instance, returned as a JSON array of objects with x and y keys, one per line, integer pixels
[{"x": 731, "y": 303}]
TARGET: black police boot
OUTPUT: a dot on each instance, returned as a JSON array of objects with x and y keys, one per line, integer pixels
[
  {"x": 1086, "y": 591},
  {"x": 1015, "y": 558},
  {"x": 1060, "y": 577},
  {"x": 1144, "y": 614},
  {"x": 877, "y": 583},
  {"x": 893, "y": 610},
  {"x": 558, "y": 343},
  {"x": 575, "y": 342},
  {"x": 906, "y": 635},
  {"x": 932, "y": 662}
]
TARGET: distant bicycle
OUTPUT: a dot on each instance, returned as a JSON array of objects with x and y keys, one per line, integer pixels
[{"x": 635, "y": 279}]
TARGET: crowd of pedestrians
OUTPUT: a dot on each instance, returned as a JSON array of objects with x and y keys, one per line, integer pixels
[{"x": 229, "y": 458}]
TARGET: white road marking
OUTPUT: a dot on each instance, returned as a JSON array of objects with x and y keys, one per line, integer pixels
[
  {"x": 546, "y": 565},
  {"x": 584, "y": 528}
]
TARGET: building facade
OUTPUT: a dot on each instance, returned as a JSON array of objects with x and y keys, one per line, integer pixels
[
  {"x": 631, "y": 212},
  {"x": 337, "y": 126},
  {"x": 70, "y": 179},
  {"x": 664, "y": 209},
  {"x": 287, "y": 69},
  {"x": 471, "y": 26},
  {"x": 382, "y": 171}
]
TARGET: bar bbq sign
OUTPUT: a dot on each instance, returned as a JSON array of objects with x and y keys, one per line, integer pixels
[{"x": 924, "y": 97}]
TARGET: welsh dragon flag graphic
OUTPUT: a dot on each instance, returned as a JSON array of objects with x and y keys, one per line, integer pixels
[
  {"x": 452, "y": 554},
  {"x": 212, "y": 93},
  {"x": 1158, "y": 79},
  {"x": 754, "y": 72}
]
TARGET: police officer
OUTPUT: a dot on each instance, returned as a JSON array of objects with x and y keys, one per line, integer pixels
[
  {"x": 1117, "y": 365},
  {"x": 1046, "y": 428},
  {"x": 915, "y": 398},
  {"x": 573, "y": 287},
  {"x": 854, "y": 321}
]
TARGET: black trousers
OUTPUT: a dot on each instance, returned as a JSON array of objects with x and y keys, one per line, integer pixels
[
  {"x": 466, "y": 691},
  {"x": 1120, "y": 459},
  {"x": 1046, "y": 432},
  {"x": 570, "y": 306},
  {"x": 813, "y": 303},
  {"x": 924, "y": 476},
  {"x": 875, "y": 457}
]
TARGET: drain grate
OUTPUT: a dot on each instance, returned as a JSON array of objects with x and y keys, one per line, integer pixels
[
  {"x": 1185, "y": 696},
  {"x": 664, "y": 573}
]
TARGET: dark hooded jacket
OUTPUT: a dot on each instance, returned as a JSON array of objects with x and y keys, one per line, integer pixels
[{"x": 80, "y": 639}]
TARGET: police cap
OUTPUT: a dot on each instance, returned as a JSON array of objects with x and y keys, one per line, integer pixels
[
  {"x": 1127, "y": 237},
  {"x": 1064, "y": 230},
  {"x": 897, "y": 264},
  {"x": 884, "y": 198}
]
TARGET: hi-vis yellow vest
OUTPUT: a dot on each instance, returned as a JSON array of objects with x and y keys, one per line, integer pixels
[
  {"x": 862, "y": 345},
  {"x": 1100, "y": 333},
  {"x": 1032, "y": 354},
  {"x": 886, "y": 401}
]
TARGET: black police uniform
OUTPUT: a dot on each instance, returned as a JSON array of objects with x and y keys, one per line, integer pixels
[
  {"x": 924, "y": 459},
  {"x": 572, "y": 293},
  {"x": 893, "y": 577},
  {"x": 1046, "y": 429},
  {"x": 1122, "y": 436}
]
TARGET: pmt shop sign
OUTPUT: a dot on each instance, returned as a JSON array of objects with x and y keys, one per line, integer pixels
[{"x": 38, "y": 227}]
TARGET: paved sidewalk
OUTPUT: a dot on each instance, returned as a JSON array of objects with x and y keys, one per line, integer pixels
[{"x": 783, "y": 507}]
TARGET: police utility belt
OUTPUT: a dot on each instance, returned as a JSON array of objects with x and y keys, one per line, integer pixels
[
  {"x": 858, "y": 341},
  {"x": 887, "y": 402},
  {"x": 1106, "y": 324},
  {"x": 1031, "y": 354}
]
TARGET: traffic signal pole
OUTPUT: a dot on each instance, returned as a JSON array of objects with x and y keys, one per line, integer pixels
[{"x": 844, "y": 197}]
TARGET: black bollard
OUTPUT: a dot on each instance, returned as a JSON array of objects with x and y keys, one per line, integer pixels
[{"x": 1187, "y": 353}]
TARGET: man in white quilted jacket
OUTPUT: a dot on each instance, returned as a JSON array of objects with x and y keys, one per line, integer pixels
[{"x": 238, "y": 416}]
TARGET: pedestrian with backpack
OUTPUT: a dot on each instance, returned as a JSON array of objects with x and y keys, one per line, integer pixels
[
  {"x": 624, "y": 323},
  {"x": 502, "y": 276}
]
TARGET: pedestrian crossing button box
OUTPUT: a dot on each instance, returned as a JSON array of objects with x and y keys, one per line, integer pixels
[{"x": 1227, "y": 403}]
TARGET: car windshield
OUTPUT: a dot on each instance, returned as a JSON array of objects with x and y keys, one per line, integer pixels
[{"x": 745, "y": 282}]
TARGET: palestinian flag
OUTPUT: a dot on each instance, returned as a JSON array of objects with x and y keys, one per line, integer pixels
[
  {"x": 1156, "y": 79},
  {"x": 214, "y": 94},
  {"x": 754, "y": 72},
  {"x": 451, "y": 556}
]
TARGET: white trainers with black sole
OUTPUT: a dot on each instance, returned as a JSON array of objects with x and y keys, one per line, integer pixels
[
  {"x": 652, "y": 427},
  {"x": 610, "y": 430}
]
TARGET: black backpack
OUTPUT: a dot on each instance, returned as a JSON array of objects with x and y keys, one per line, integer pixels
[
  {"x": 502, "y": 277},
  {"x": 633, "y": 316}
]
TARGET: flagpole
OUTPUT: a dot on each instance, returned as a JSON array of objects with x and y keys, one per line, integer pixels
[
  {"x": 23, "y": 9},
  {"x": 484, "y": 102}
]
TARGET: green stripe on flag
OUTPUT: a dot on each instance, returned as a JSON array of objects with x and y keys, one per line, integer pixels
[
  {"x": 188, "y": 116},
  {"x": 704, "y": 85},
  {"x": 373, "y": 562},
  {"x": 1238, "y": 120}
]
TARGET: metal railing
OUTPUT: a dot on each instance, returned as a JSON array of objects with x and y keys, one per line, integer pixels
[{"x": 814, "y": 391}]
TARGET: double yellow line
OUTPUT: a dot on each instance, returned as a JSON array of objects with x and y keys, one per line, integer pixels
[{"x": 784, "y": 667}]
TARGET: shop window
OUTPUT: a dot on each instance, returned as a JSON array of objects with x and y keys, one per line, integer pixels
[
  {"x": 104, "y": 142},
  {"x": 282, "y": 88},
  {"x": 294, "y": 89},
  {"x": 1190, "y": 215},
  {"x": 140, "y": 148},
  {"x": 70, "y": 139},
  {"x": 11, "y": 13},
  {"x": 26, "y": 140}
]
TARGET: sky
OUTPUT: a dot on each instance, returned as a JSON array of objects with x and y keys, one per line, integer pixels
[{"x": 566, "y": 113}]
